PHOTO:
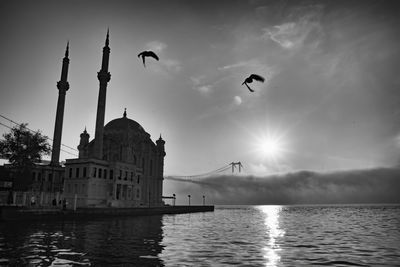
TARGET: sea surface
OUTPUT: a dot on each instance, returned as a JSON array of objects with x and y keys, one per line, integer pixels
[{"x": 345, "y": 235}]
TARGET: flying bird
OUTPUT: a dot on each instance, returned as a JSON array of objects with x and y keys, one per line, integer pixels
[
  {"x": 250, "y": 80},
  {"x": 145, "y": 54}
]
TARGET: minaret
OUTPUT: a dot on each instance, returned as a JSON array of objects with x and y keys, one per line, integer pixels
[
  {"x": 161, "y": 146},
  {"x": 63, "y": 87},
  {"x": 84, "y": 141},
  {"x": 160, "y": 170},
  {"x": 104, "y": 77}
]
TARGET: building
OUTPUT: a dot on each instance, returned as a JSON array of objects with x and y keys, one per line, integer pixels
[{"x": 121, "y": 166}]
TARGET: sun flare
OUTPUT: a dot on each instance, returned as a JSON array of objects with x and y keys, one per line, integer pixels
[{"x": 270, "y": 147}]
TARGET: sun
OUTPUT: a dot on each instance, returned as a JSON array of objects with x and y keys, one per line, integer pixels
[{"x": 270, "y": 147}]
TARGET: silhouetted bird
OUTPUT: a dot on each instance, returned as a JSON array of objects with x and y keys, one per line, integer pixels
[
  {"x": 250, "y": 80},
  {"x": 147, "y": 54}
]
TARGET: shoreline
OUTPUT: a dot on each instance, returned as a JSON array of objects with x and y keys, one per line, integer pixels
[{"x": 14, "y": 213}]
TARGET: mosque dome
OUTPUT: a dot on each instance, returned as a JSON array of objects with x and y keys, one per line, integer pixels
[{"x": 125, "y": 125}]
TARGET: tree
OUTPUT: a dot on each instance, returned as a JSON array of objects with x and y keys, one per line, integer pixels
[{"x": 23, "y": 148}]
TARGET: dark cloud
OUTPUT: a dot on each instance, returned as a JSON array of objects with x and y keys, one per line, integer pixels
[{"x": 380, "y": 185}]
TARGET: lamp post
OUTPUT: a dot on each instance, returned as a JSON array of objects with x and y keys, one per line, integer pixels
[
  {"x": 189, "y": 199},
  {"x": 174, "y": 199},
  {"x": 204, "y": 200}
]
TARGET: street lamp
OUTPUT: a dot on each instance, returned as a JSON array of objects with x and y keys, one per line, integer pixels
[
  {"x": 174, "y": 199},
  {"x": 189, "y": 199},
  {"x": 204, "y": 200}
]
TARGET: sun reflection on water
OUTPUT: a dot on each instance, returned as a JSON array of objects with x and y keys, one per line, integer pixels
[{"x": 271, "y": 222}]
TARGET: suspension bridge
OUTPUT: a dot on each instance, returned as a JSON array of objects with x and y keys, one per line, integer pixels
[{"x": 233, "y": 166}]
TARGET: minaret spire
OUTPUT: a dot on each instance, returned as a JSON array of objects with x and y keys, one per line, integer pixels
[
  {"x": 63, "y": 87},
  {"x": 104, "y": 77},
  {"x": 108, "y": 37},
  {"x": 67, "y": 50}
]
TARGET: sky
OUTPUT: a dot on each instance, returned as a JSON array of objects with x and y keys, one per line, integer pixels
[{"x": 330, "y": 101}]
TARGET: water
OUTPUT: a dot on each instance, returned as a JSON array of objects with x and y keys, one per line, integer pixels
[{"x": 230, "y": 236}]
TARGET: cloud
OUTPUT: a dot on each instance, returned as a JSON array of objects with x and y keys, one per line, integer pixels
[
  {"x": 201, "y": 85},
  {"x": 237, "y": 100},
  {"x": 378, "y": 185},
  {"x": 284, "y": 35},
  {"x": 204, "y": 89},
  {"x": 236, "y": 65},
  {"x": 294, "y": 34},
  {"x": 252, "y": 63}
]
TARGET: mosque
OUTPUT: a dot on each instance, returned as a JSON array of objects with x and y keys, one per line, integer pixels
[{"x": 120, "y": 167}]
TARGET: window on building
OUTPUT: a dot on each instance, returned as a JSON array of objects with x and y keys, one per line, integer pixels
[
  {"x": 131, "y": 176},
  {"x": 111, "y": 174},
  {"x": 100, "y": 171},
  {"x": 143, "y": 165},
  {"x": 118, "y": 191},
  {"x": 34, "y": 176},
  {"x": 94, "y": 172},
  {"x": 120, "y": 175},
  {"x": 138, "y": 179},
  {"x": 84, "y": 171},
  {"x": 77, "y": 173},
  {"x": 134, "y": 159},
  {"x": 39, "y": 176},
  {"x": 105, "y": 173},
  {"x": 151, "y": 167},
  {"x": 70, "y": 173},
  {"x": 138, "y": 193},
  {"x": 126, "y": 176},
  {"x": 75, "y": 188},
  {"x": 69, "y": 188},
  {"x": 50, "y": 177}
]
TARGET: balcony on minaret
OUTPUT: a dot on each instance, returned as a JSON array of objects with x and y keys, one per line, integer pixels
[
  {"x": 103, "y": 76},
  {"x": 63, "y": 85}
]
